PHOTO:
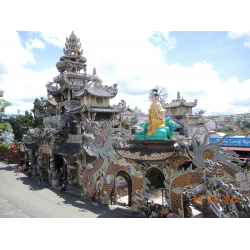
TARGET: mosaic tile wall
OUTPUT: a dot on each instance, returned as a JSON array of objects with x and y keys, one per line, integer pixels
[
  {"x": 229, "y": 170},
  {"x": 119, "y": 164},
  {"x": 168, "y": 167},
  {"x": 182, "y": 181}
]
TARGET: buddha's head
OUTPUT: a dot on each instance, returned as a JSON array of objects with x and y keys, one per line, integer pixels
[{"x": 154, "y": 96}]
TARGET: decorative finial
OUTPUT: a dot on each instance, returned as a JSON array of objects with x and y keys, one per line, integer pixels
[{"x": 178, "y": 95}]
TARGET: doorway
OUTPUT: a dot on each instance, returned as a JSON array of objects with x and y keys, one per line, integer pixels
[
  {"x": 121, "y": 193},
  {"x": 61, "y": 167},
  {"x": 156, "y": 179}
]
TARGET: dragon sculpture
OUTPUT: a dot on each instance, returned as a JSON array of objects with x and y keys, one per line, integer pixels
[
  {"x": 213, "y": 152},
  {"x": 227, "y": 200},
  {"x": 100, "y": 141}
]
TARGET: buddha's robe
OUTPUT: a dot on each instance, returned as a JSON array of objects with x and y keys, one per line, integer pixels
[{"x": 154, "y": 120}]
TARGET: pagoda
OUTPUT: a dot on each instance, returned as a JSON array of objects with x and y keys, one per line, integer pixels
[{"x": 74, "y": 97}]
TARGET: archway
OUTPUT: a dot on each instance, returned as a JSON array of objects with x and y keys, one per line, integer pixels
[
  {"x": 122, "y": 189},
  {"x": 131, "y": 169},
  {"x": 61, "y": 167},
  {"x": 178, "y": 186},
  {"x": 156, "y": 179}
]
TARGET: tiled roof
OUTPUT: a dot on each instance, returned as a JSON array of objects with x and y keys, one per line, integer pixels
[
  {"x": 32, "y": 146},
  {"x": 147, "y": 152},
  {"x": 52, "y": 101},
  {"x": 140, "y": 119},
  {"x": 68, "y": 149},
  {"x": 130, "y": 120},
  {"x": 62, "y": 134},
  {"x": 75, "y": 111},
  {"x": 104, "y": 109},
  {"x": 177, "y": 103},
  {"x": 100, "y": 91}
]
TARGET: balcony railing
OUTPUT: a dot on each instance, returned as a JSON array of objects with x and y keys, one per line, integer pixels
[
  {"x": 57, "y": 118},
  {"x": 75, "y": 138},
  {"x": 81, "y": 75}
]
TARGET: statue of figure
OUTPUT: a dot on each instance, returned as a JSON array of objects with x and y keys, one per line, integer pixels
[
  {"x": 157, "y": 127},
  {"x": 156, "y": 118}
]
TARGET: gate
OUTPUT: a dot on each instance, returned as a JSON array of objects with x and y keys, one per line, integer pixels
[{"x": 127, "y": 178}]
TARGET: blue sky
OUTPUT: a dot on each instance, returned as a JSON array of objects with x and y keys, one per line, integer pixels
[{"x": 211, "y": 66}]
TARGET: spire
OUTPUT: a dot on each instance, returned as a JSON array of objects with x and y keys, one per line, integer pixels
[
  {"x": 95, "y": 77},
  {"x": 72, "y": 36},
  {"x": 178, "y": 96},
  {"x": 73, "y": 45}
]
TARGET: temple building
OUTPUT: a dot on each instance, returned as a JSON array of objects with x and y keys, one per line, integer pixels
[
  {"x": 188, "y": 123},
  {"x": 72, "y": 97},
  {"x": 88, "y": 142}
]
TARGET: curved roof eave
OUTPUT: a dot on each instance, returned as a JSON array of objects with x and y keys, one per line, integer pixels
[
  {"x": 54, "y": 92},
  {"x": 100, "y": 92},
  {"x": 104, "y": 109}
]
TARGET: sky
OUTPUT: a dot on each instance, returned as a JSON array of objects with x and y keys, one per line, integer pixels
[{"x": 211, "y": 66}]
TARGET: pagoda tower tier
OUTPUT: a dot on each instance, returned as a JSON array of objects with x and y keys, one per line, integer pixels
[{"x": 72, "y": 61}]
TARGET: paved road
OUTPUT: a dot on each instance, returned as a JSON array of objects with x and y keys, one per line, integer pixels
[{"x": 22, "y": 198}]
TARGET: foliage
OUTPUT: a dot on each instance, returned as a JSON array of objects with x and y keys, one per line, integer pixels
[
  {"x": 4, "y": 149},
  {"x": 5, "y": 126},
  {"x": 37, "y": 106},
  {"x": 238, "y": 164},
  {"x": 227, "y": 130},
  {"x": 3, "y": 102},
  {"x": 22, "y": 124},
  {"x": 231, "y": 182}
]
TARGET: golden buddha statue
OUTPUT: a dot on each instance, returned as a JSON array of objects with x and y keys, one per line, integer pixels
[{"x": 156, "y": 118}]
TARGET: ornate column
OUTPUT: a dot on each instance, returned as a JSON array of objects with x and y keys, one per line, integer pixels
[
  {"x": 71, "y": 170},
  {"x": 69, "y": 95},
  {"x": 93, "y": 116},
  {"x": 33, "y": 162},
  {"x": 78, "y": 129},
  {"x": 39, "y": 162},
  {"x": 82, "y": 165},
  {"x": 53, "y": 177}
]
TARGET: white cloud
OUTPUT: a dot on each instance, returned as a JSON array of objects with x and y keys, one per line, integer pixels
[
  {"x": 126, "y": 58},
  {"x": 12, "y": 53},
  {"x": 170, "y": 40},
  {"x": 21, "y": 85},
  {"x": 35, "y": 43},
  {"x": 236, "y": 34},
  {"x": 247, "y": 44}
]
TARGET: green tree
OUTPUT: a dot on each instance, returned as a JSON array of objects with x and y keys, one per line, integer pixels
[
  {"x": 37, "y": 106},
  {"x": 4, "y": 149},
  {"x": 22, "y": 124},
  {"x": 5, "y": 126},
  {"x": 3, "y": 104}
]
